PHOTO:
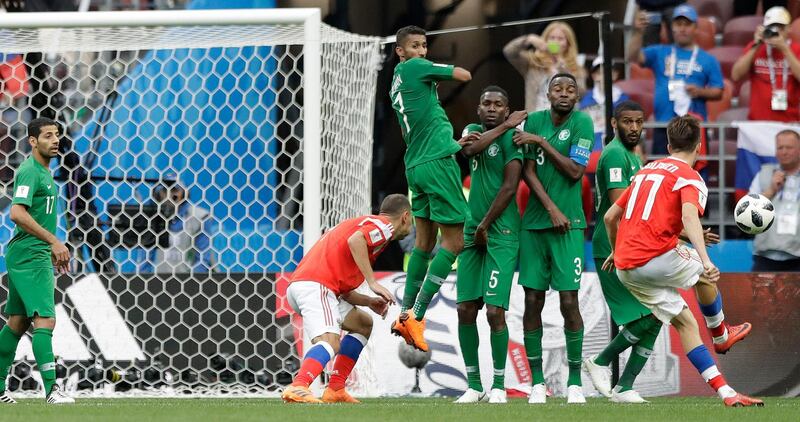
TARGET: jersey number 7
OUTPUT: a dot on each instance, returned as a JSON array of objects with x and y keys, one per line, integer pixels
[{"x": 638, "y": 181}]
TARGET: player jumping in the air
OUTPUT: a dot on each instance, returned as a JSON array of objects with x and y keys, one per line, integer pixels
[
  {"x": 491, "y": 238},
  {"x": 433, "y": 175},
  {"x": 665, "y": 198},
  {"x": 321, "y": 290},
  {"x": 30, "y": 256},
  {"x": 558, "y": 141}
]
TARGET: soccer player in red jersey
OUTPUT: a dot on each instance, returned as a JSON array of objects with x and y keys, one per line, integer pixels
[
  {"x": 322, "y": 291},
  {"x": 665, "y": 199}
]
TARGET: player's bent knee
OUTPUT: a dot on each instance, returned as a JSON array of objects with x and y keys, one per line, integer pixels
[
  {"x": 496, "y": 317},
  {"x": 359, "y": 322},
  {"x": 467, "y": 312},
  {"x": 330, "y": 338},
  {"x": 44, "y": 322}
]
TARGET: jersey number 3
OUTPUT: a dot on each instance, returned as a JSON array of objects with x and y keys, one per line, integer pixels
[{"x": 657, "y": 179}]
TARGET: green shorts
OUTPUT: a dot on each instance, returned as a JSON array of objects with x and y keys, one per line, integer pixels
[
  {"x": 436, "y": 192},
  {"x": 31, "y": 292},
  {"x": 550, "y": 260},
  {"x": 624, "y": 307},
  {"x": 486, "y": 273}
]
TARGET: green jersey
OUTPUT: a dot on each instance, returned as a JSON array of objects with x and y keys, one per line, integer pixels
[
  {"x": 34, "y": 188},
  {"x": 487, "y": 170},
  {"x": 573, "y": 139},
  {"x": 426, "y": 130},
  {"x": 615, "y": 169}
]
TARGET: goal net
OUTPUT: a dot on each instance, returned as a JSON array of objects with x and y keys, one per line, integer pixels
[{"x": 201, "y": 151}]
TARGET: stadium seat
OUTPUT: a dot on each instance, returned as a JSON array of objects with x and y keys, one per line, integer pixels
[
  {"x": 721, "y": 10},
  {"x": 640, "y": 90},
  {"x": 794, "y": 30},
  {"x": 739, "y": 31},
  {"x": 714, "y": 108},
  {"x": 744, "y": 94},
  {"x": 706, "y": 31},
  {"x": 640, "y": 72},
  {"x": 727, "y": 56}
]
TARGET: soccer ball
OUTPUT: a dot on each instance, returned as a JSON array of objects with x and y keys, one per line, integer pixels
[
  {"x": 412, "y": 357},
  {"x": 754, "y": 214}
]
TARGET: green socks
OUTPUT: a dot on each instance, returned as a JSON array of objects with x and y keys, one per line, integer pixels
[
  {"x": 417, "y": 268},
  {"x": 43, "y": 351},
  {"x": 440, "y": 268},
  {"x": 639, "y": 355},
  {"x": 499, "y": 341},
  {"x": 533, "y": 348},
  {"x": 574, "y": 355},
  {"x": 468, "y": 340},
  {"x": 630, "y": 334},
  {"x": 8, "y": 348}
]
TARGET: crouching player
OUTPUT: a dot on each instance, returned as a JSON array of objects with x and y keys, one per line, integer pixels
[{"x": 322, "y": 288}]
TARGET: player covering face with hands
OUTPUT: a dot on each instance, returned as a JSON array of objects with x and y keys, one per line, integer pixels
[
  {"x": 665, "y": 199},
  {"x": 322, "y": 291}
]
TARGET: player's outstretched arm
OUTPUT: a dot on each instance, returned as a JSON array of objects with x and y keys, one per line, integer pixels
[
  {"x": 560, "y": 222},
  {"x": 22, "y": 218},
  {"x": 378, "y": 305},
  {"x": 462, "y": 75},
  {"x": 358, "y": 247},
  {"x": 504, "y": 196},
  {"x": 486, "y": 138}
]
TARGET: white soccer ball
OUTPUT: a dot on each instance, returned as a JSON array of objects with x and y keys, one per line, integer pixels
[
  {"x": 411, "y": 357},
  {"x": 754, "y": 214}
]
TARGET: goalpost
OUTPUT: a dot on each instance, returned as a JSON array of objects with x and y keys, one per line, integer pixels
[{"x": 261, "y": 118}]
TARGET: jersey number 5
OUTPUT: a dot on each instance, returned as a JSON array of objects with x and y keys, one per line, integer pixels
[{"x": 657, "y": 179}]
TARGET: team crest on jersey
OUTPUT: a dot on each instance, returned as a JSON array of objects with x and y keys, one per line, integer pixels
[
  {"x": 563, "y": 135},
  {"x": 493, "y": 150}
]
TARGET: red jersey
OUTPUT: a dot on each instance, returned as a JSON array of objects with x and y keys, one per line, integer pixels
[
  {"x": 761, "y": 88},
  {"x": 651, "y": 220},
  {"x": 330, "y": 262}
]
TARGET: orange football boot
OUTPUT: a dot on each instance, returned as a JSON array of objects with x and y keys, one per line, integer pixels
[
  {"x": 338, "y": 396},
  {"x": 298, "y": 394},
  {"x": 736, "y": 333},
  {"x": 740, "y": 400}
]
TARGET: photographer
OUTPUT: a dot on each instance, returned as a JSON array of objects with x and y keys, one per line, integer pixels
[
  {"x": 770, "y": 61},
  {"x": 189, "y": 247}
]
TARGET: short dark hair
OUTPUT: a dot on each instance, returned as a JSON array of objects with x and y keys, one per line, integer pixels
[
  {"x": 562, "y": 75},
  {"x": 683, "y": 133},
  {"x": 395, "y": 204},
  {"x": 35, "y": 126},
  {"x": 405, "y": 31},
  {"x": 788, "y": 132},
  {"x": 495, "y": 88},
  {"x": 627, "y": 105}
]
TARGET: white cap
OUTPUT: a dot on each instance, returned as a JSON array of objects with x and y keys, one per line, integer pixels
[
  {"x": 597, "y": 61},
  {"x": 777, "y": 15}
]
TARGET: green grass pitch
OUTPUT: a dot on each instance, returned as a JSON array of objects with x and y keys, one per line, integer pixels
[{"x": 400, "y": 409}]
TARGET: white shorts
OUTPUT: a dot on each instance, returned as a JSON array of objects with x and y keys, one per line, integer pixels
[
  {"x": 656, "y": 283},
  {"x": 321, "y": 310}
]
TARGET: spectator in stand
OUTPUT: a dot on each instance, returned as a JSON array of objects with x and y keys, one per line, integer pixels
[
  {"x": 593, "y": 103},
  {"x": 770, "y": 61},
  {"x": 778, "y": 249},
  {"x": 685, "y": 75},
  {"x": 659, "y": 12},
  {"x": 538, "y": 58}
]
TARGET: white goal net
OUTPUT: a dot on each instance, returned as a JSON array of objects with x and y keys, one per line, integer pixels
[{"x": 201, "y": 150}]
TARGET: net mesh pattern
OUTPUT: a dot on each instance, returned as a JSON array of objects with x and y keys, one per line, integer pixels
[{"x": 181, "y": 194}]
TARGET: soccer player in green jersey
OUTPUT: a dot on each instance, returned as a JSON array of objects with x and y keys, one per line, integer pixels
[
  {"x": 558, "y": 142},
  {"x": 434, "y": 177},
  {"x": 30, "y": 256},
  {"x": 617, "y": 165},
  {"x": 491, "y": 239}
]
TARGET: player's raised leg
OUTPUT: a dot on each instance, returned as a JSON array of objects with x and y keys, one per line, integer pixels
[{"x": 723, "y": 335}]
